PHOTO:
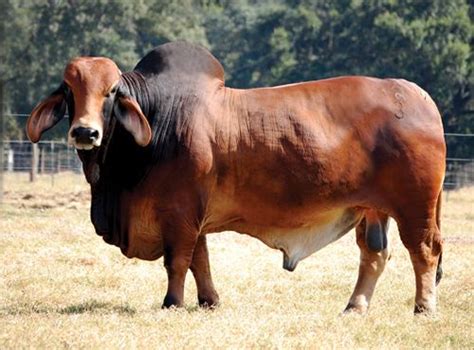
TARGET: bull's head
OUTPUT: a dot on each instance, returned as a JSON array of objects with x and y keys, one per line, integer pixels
[{"x": 91, "y": 90}]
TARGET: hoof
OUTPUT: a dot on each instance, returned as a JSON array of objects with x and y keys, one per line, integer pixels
[
  {"x": 208, "y": 302},
  {"x": 171, "y": 301},
  {"x": 355, "y": 309},
  {"x": 426, "y": 311}
]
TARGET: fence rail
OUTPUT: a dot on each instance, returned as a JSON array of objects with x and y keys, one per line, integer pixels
[{"x": 43, "y": 157}]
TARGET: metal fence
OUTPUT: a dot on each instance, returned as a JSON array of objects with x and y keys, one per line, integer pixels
[
  {"x": 460, "y": 169},
  {"x": 44, "y": 157},
  {"x": 51, "y": 157}
]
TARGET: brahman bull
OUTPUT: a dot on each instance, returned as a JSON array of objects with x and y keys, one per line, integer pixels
[{"x": 172, "y": 154}]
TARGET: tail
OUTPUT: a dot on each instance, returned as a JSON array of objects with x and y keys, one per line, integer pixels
[{"x": 439, "y": 269}]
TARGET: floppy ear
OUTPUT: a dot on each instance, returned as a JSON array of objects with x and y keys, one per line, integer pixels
[
  {"x": 130, "y": 115},
  {"x": 47, "y": 114}
]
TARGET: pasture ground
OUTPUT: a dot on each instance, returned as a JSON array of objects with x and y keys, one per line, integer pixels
[{"x": 61, "y": 286}]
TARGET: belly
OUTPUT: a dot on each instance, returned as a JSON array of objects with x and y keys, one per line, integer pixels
[
  {"x": 299, "y": 243},
  {"x": 297, "y": 234}
]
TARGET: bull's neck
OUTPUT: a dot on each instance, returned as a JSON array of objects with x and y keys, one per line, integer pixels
[{"x": 136, "y": 85}]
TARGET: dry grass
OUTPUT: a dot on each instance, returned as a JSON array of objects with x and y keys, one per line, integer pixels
[{"x": 62, "y": 286}]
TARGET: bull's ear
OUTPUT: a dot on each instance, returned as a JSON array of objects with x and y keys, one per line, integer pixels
[
  {"x": 47, "y": 113},
  {"x": 130, "y": 115}
]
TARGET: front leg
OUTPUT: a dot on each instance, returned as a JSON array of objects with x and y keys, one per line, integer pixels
[
  {"x": 179, "y": 243},
  {"x": 207, "y": 295}
]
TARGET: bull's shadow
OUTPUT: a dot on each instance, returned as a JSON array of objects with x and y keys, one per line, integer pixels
[{"x": 88, "y": 306}]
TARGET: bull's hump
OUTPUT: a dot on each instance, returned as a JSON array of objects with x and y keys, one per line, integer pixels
[{"x": 181, "y": 59}]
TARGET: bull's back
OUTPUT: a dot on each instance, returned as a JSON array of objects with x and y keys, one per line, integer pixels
[{"x": 324, "y": 145}]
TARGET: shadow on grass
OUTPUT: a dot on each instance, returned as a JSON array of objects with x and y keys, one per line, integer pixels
[
  {"x": 189, "y": 308},
  {"x": 23, "y": 309},
  {"x": 89, "y": 306}
]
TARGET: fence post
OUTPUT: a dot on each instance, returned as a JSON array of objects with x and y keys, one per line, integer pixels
[
  {"x": 2, "y": 150},
  {"x": 34, "y": 162},
  {"x": 42, "y": 156},
  {"x": 10, "y": 159},
  {"x": 52, "y": 167},
  {"x": 58, "y": 161}
]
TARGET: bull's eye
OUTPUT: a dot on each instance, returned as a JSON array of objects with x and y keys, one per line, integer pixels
[{"x": 111, "y": 92}]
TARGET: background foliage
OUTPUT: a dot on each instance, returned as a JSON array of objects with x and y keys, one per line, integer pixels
[{"x": 260, "y": 43}]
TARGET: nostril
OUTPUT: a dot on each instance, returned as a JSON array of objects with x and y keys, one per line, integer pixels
[
  {"x": 85, "y": 135},
  {"x": 75, "y": 132}
]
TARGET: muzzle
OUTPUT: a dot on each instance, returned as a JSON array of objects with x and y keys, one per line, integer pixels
[{"x": 85, "y": 138}]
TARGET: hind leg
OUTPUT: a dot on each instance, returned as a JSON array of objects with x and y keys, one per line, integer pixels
[
  {"x": 372, "y": 240},
  {"x": 423, "y": 240}
]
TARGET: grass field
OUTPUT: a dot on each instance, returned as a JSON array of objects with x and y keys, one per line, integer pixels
[{"x": 61, "y": 286}]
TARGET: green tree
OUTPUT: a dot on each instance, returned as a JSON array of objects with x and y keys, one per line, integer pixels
[
  {"x": 13, "y": 36},
  {"x": 170, "y": 21}
]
